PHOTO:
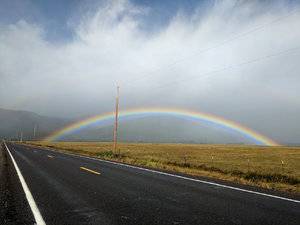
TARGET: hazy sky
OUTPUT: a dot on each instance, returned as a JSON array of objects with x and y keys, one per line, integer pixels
[{"x": 236, "y": 59}]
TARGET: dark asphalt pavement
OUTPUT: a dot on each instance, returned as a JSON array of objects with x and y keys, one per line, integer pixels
[{"x": 66, "y": 194}]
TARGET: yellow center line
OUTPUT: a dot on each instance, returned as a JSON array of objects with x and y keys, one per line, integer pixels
[
  {"x": 50, "y": 156},
  {"x": 91, "y": 171}
]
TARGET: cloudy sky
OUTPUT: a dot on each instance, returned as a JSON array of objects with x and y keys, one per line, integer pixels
[{"x": 235, "y": 59}]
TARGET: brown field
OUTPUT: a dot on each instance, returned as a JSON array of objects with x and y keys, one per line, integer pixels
[{"x": 275, "y": 168}]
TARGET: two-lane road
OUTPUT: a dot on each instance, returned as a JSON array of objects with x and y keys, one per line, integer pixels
[{"x": 73, "y": 190}]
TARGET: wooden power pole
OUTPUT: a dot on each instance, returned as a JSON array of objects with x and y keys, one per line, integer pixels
[
  {"x": 116, "y": 122},
  {"x": 34, "y": 131}
]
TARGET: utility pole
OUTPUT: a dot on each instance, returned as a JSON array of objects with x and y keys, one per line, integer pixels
[
  {"x": 21, "y": 137},
  {"x": 34, "y": 131},
  {"x": 116, "y": 123}
]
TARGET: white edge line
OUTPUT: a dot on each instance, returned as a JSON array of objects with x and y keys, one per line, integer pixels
[
  {"x": 36, "y": 212},
  {"x": 182, "y": 177}
]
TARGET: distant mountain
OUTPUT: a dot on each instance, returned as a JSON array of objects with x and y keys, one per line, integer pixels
[
  {"x": 13, "y": 122},
  {"x": 148, "y": 129}
]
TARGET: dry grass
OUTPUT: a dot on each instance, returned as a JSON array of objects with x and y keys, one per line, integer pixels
[{"x": 253, "y": 165}]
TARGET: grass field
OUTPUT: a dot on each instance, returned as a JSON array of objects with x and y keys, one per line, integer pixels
[{"x": 269, "y": 167}]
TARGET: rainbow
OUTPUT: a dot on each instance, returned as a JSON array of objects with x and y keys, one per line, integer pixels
[{"x": 107, "y": 118}]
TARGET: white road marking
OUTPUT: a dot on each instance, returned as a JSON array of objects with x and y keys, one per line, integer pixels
[
  {"x": 182, "y": 177},
  {"x": 36, "y": 212},
  {"x": 50, "y": 156}
]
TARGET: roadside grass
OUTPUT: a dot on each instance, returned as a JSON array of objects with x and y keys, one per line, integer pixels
[{"x": 276, "y": 168}]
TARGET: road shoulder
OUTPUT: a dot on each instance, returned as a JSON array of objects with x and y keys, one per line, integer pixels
[{"x": 14, "y": 206}]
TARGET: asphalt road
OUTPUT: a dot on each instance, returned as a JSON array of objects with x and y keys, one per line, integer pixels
[{"x": 76, "y": 190}]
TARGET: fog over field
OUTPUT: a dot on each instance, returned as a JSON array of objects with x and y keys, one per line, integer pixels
[{"x": 238, "y": 60}]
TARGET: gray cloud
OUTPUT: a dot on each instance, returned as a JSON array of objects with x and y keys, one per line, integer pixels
[{"x": 214, "y": 62}]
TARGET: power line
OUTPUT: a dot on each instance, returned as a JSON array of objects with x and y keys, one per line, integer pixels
[
  {"x": 255, "y": 60},
  {"x": 222, "y": 43},
  {"x": 231, "y": 67}
]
